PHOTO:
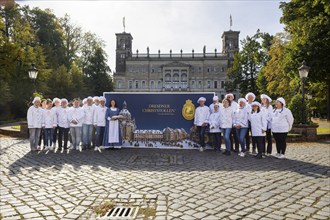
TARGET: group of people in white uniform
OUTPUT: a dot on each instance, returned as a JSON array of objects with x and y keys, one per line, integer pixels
[
  {"x": 93, "y": 125},
  {"x": 235, "y": 120},
  {"x": 75, "y": 127}
]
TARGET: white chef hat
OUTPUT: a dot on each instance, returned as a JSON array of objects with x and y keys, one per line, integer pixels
[
  {"x": 264, "y": 96},
  {"x": 229, "y": 94},
  {"x": 280, "y": 99},
  {"x": 89, "y": 98},
  {"x": 201, "y": 99},
  {"x": 256, "y": 103},
  {"x": 64, "y": 100},
  {"x": 96, "y": 98},
  {"x": 215, "y": 98},
  {"x": 84, "y": 100},
  {"x": 36, "y": 99},
  {"x": 56, "y": 100},
  {"x": 241, "y": 100},
  {"x": 101, "y": 98},
  {"x": 250, "y": 94}
]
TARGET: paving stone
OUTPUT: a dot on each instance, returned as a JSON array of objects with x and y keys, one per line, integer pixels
[{"x": 54, "y": 186}]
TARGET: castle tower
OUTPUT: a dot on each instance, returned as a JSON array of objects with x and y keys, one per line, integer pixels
[
  {"x": 123, "y": 50},
  {"x": 230, "y": 42}
]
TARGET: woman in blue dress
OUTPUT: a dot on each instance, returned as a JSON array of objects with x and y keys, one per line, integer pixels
[{"x": 112, "y": 135}]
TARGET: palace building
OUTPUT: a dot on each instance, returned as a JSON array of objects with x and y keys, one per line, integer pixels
[{"x": 174, "y": 72}]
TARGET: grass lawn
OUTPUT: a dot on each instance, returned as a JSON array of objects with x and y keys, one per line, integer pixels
[{"x": 323, "y": 130}]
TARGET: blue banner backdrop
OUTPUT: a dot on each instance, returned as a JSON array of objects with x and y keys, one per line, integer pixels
[{"x": 156, "y": 111}]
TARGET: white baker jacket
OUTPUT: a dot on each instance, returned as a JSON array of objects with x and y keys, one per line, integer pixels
[
  {"x": 49, "y": 118},
  {"x": 258, "y": 123},
  {"x": 268, "y": 112},
  {"x": 76, "y": 114},
  {"x": 212, "y": 107},
  {"x": 234, "y": 105},
  {"x": 62, "y": 117},
  {"x": 88, "y": 118},
  {"x": 214, "y": 122},
  {"x": 201, "y": 115},
  {"x": 226, "y": 118},
  {"x": 241, "y": 117},
  {"x": 99, "y": 116},
  {"x": 34, "y": 117},
  {"x": 282, "y": 120}
]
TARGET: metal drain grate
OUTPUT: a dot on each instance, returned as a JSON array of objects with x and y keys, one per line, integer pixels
[{"x": 121, "y": 212}]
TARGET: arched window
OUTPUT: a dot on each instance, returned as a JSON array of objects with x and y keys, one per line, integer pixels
[
  {"x": 168, "y": 77},
  {"x": 184, "y": 77},
  {"x": 176, "y": 77},
  {"x": 159, "y": 84},
  {"x": 143, "y": 84},
  {"x": 136, "y": 84},
  {"x": 119, "y": 84},
  {"x": 152, "y": 84}
]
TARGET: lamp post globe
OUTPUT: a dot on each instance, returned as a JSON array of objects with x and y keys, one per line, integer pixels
[{"x": 33, "y": 74}]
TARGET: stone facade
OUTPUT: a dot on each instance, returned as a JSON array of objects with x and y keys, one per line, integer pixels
[{"x": 174, "y": 72}]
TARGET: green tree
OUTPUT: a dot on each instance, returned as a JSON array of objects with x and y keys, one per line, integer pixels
[
  {"x": 308, "y": 23},
  {"x": 97, "y": 73},
  {"x": 72, "y": 36},
  {"x": 248, "y": 63}
]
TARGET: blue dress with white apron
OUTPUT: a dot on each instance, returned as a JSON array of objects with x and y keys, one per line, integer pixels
[{"x": 112, "y": 134}]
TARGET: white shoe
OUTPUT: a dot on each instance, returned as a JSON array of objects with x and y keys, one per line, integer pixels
[
  {"x": 67, "y": 151},
  {"x": 201, "y": 149},
  {"x": 95, "y": 149},
  {"x": 62, "y": 150},
  {"x": 101, "y": 147},
  {"x": 277, "y": 155},
  {"x": 80, "y": 148},
  {"x": 56, "y": 148},
  {"x": 282, "y": 156},
  {"x": 241, "y": 154}
]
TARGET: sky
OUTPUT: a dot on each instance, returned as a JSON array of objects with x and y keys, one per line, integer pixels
[{"x": 168, "y": 25}]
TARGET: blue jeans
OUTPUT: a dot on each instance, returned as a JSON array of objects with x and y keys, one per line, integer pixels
[
  {"x": 241, "y": 133},
  {"x": 201, "y": 132},
  {"x": 75, "y": 136},
  {"x": 226, "y": 134},
  {"x": 48, "y": 136},
  {"x": 34, "y": 134},
  {"x": 87, "y": 134},
  {"x": 99, "y": 135}
]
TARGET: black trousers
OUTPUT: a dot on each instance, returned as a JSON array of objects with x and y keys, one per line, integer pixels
[
  {"x": 55, "y": 135},
  {"x": 280, "y": 139},
  {"x": 260, "y": 142},
  {"x": 233, "y": 139},
  {"x": 247, "y": 140},
  {"x": 63, "y": 132},
  {"x": 41, "y": 137},
  {"x": 269, "y": 142},
  {"x": 216, "y": 140}
]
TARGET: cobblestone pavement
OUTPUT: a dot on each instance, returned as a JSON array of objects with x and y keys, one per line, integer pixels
[{"x": 164, "y": 184}]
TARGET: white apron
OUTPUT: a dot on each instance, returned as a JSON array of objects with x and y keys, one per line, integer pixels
[{"x": 113, "y": 131}]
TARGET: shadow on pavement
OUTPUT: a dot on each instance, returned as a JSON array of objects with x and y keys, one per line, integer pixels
[{"x": 160, "y": 160}]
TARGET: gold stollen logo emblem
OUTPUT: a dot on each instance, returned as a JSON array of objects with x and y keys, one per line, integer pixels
[{"x": 188, "y": 110}]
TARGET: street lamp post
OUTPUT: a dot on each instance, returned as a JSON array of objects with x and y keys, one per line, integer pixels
[
  {"x": 303, "y": 74},
  {"x": 33, "y": 73}
]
